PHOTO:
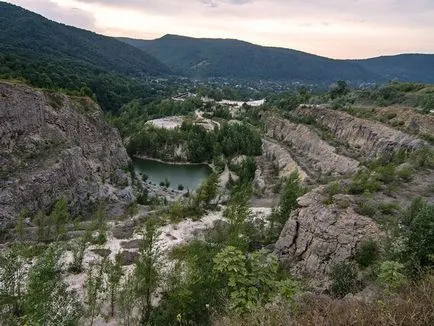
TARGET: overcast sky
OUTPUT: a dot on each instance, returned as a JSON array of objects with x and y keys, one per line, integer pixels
[{"x": 333, "y": 28}]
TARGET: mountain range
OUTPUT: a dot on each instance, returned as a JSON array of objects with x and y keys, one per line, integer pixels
[
  {"x": 229, "y": 58},
  {"x": 49, "y": 54}
]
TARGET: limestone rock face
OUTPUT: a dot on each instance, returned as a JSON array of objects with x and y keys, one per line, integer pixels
[
  {"x": 312, "y": 154},
  {"x": 317, "y": 235},
  {"x": 52, "y": 145},
  {"x": 367, "y": 138}
]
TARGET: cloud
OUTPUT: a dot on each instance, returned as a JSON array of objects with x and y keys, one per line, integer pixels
[{"x": 336, "y": 28}]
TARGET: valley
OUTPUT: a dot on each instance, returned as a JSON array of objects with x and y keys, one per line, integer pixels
[{"x": 187, "y": 181}]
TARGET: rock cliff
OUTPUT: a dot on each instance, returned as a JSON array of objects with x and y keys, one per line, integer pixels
[
  {"x": 53, "y": 145},
  {"x": 366, "y": 138},
  {"x": 319, "y": 235},
  {"x": 312, "y": 154}
]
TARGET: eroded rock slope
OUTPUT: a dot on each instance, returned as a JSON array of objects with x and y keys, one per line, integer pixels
[
  {"x": 368, "y": 139},
  {"x": 318, "y": 235},
  {"x": 313, "y": 154},
  {"x": 52, "y": 145}
]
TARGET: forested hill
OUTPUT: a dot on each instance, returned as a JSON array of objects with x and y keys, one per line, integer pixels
[
  {"x": 52, "y": 55},
  {"x": 237, "y": 59}
]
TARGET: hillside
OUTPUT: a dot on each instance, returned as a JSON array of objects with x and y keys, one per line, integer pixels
[
  {"x": 242, "y": 60},
  {"x": 55, "y": 145},
  {"x": 52, "y": 55}
]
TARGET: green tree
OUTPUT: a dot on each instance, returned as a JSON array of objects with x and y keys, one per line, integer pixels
[
  {"x": 127, "y": 302},
  {"x": 19, "y": 228},
  {"x": 48, "y": 300},
  {"x": 418, "y": 230},
  {"x": 339, "y": 89},
  {"x": 41, "y": 221},
  {"x": 12, "y": 285},
  {"x": 147, "y": 272},
  {"x": 95, "y": 289},
  {"x": 78, "y": 248},
  {"x": 59, "y": 217},
  {"x": 288, "y": 202},
  {"x": 250, "y": 279},
  {"x": 114, "y": 273},
  {"x": 207, "y": 191}
]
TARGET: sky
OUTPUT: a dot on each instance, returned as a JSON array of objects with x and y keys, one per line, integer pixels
[{"x": 334, "y": 28}]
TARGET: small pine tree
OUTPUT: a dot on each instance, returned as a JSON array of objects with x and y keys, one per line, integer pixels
[{"x": 114, "y": 274}]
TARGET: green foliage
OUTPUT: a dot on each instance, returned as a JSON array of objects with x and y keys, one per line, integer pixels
[
  {"x": 339, "y": 89},
  {"x": 367, "y": 254},
  {"x": 126, "y": 302},
  {"x": 344, "y": 279},
  {"x": 207, "y": 191},
  {"x": 405, "y": 173},
  {"x": 194, "y": 293},
  {"x": 77, "y": 247},
  {"x": 114, "y": 273},
  {"x": 12, "y": 285},
  {"x": 238, "y": 213},
  {"x": 95, "y": 289},
  {"x": 364, "y": 182},
  {"x": 53, "y": 303},
  {"x": 59, "y": 217},
  {"x": 418, "y": 230},
  {"x": 250, "y": 279},
  {"x": 390, "y": 274},
  {"x": 331, "y": 190},
  {"x": 52, "y": 55},
  {"x": 19, "y": 227},
  {"x": 147, "y": 274},
  {"x": 288, "y": 200},
  {"x": 366, "y": 208}
]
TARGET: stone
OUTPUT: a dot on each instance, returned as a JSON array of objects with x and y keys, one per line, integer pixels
[
  {"x": 316, "y": 236},
  {"x": 53, "y": 145},
  {"x": 127, "y": 258},
  {"x": 132, "y": 244}
]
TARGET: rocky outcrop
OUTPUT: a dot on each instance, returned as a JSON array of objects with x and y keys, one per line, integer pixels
[
  {"x": 368, "y": 139},
  {"x": 317, "y": 235},
  {"x": 312, "y": 154},
  {"x": 278, "y": 154},
  {"x": 53, "y": 145},
  {"x": 408, "y": 118}
]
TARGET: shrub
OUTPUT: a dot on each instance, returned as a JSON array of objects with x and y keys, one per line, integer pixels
[
  {"x": 344, "y": 279},
  {"x": 386, "y": 173},
  {"x": 367, "y": 253},
  {"x": 332, "y": 189},
  {"x": 390, "y": 274},
  {"x": 365, "y": 208},
  {"x": 405, "y": 173},
  {"x": 418, "y": 230},
  {"x": 180, "y": 187},
  {"x": 364, "y": 182}
]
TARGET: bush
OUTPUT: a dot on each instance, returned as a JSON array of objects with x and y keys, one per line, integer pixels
[
  {"x": 367, "y": 254},
  {"x": 390, "y": 274},
  {"x": 386, "y": 173},
  {"x": 344, "y": 279},
  {"x": 180, "y": 187},
  {"x": 364, "y": 182},
  {"x": 365, "y": 208},
  {"x": 332, "y": 189},
  {"x": 417, "y": 227}
]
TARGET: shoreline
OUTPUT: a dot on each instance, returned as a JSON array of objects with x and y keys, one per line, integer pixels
[{"x": 141, "y": 157}]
